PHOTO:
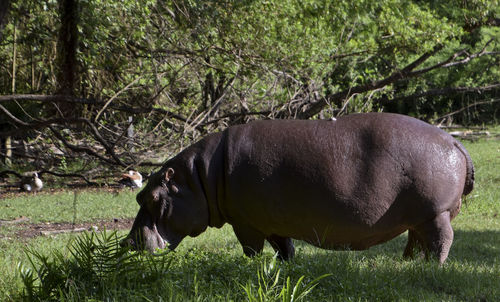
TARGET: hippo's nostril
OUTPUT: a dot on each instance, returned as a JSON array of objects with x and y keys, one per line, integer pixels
[
  {"x": 123, "y": 243},
  {"x": 127, "y": 242}
]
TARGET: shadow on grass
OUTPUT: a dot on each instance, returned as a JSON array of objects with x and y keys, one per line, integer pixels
[
  {"x": 476, "y": 247},
  {"x": 355, "y": 277},
  {"x": 380, "y": 273},
  {"x": 471, "y": 273}
]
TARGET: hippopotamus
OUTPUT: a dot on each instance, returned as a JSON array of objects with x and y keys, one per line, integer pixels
[{"x": 346, "y": 183}]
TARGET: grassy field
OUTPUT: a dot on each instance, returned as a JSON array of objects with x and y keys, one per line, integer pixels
[
  {"x": 70, "y": 206},
  {"x": 212, "y": 267}
]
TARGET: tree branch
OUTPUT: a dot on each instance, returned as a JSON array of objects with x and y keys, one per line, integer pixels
[
  {"x": 440, "y": 91},
  {"x": 467, "y": 107},
  {"x": 115, "y": 96},
  {"x": 48, "y": 99},
  {"x": 307, "y": 110},
  {"x": 310, "y": 110},
  {"x": 80, "y": 149},
  {"x": 40, "y": 173},
  {"x": 74, "y": 100},
  {"x": 89, "y": 182},
  {"x": 7, "y": 172}
]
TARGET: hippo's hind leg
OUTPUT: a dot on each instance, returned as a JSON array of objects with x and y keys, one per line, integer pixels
[
  {"x": 437, "y": 235},
  {"x": 282, "y": 245},
  {"x": 251, "y": 239}
]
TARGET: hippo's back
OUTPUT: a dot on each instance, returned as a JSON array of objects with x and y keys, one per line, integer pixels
[{"x": 356, "y": 181}]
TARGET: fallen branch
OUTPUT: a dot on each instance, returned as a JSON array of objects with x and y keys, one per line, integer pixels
[
  {"x": 15, "y": 221},
  {"x": 469, "y": 134},
  {"x": 75, "y": 230},
  {"x": 7, "y": 172},
  {"x": 466, "y": 107},
  {"x": 48, "y": 99},
  {"x": 439, "y": 92},
  {"x": 77, "y": 149},
  {"x": 461, "y": 127},
  {"x": 73, "y": 100},
  {"x": 89, "y": 182},
  {"x": 41, "y": 172}
]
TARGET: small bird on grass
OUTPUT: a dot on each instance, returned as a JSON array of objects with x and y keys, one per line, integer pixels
[
  {"x": 31, "y": 183},
  {"x": 133, "y": 180}
]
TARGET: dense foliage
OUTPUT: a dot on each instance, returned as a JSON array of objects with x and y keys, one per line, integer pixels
[{"x": 182, "y": 68}]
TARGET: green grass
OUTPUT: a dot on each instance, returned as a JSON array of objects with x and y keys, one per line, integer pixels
[
  {"x": 484, "y": 200},
  {"x": 212, "y": 267},
  {"x": 64, "y": 207}
]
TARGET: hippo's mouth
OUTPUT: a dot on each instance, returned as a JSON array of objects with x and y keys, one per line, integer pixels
[
  {"x": 169, "y": 245},
  {"x": 149, "y": 239},
  {"x": 168, "y": 240},
  {"x": 151, "y": 234}
]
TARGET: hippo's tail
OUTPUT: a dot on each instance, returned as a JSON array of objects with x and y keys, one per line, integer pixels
[{"x": 469, "y": 180}]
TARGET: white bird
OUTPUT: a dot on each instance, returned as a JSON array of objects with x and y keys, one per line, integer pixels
[
  {"x": 31, "y": 183},
  {"x": 133, "y": 179}
]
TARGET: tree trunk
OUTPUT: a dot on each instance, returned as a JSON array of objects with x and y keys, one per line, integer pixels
[
  {"x": 66, "y": 52},
  {"x": 14, "y": 66},
  {"x": 4, "y": 11},
  {"x": 8, "y": 151},
  {"x": 8, "y": 139}
]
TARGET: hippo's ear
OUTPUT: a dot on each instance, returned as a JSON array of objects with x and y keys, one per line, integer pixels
[
  {"x": 169, "y": 174},
  {"x": 168, "y": 180}
]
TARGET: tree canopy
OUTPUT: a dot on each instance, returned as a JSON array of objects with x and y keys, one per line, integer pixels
[{"x": 77, "y": 75}]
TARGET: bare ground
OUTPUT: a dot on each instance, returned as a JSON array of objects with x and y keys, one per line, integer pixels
[
  {"x": 25, "y": 230},
  {"x": 21, "y": 228}
]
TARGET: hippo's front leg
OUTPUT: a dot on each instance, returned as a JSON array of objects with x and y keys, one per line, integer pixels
[
  {"x": 251, "y": 239},
  {"x": 282, "y": 245}
]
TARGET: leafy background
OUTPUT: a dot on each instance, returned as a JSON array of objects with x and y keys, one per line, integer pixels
[{"x": 178, "y": 69}]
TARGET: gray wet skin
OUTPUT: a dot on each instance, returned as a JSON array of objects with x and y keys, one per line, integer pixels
[{"x": 351, "y": 183}]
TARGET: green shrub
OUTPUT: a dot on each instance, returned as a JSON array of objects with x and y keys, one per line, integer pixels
[{"x": 96, "y": 267}]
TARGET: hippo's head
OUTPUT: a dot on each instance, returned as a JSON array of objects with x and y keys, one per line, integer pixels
[{"x": 171, "y": 209}]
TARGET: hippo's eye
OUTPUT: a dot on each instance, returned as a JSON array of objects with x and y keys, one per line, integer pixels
[
  {"x": 169, "y": 186},
  {"x": 156, "y": 197}
]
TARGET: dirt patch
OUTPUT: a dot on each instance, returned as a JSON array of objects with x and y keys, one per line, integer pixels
[
  {"x": 30, "y": 230},
  {"x": 21, "y": 227}
]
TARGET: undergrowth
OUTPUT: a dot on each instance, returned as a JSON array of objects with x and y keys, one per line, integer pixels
[
  {"x": 94, "y": 267},
  {"x": 97, "y": 268},
  {"x": 269, "y": 288}
]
